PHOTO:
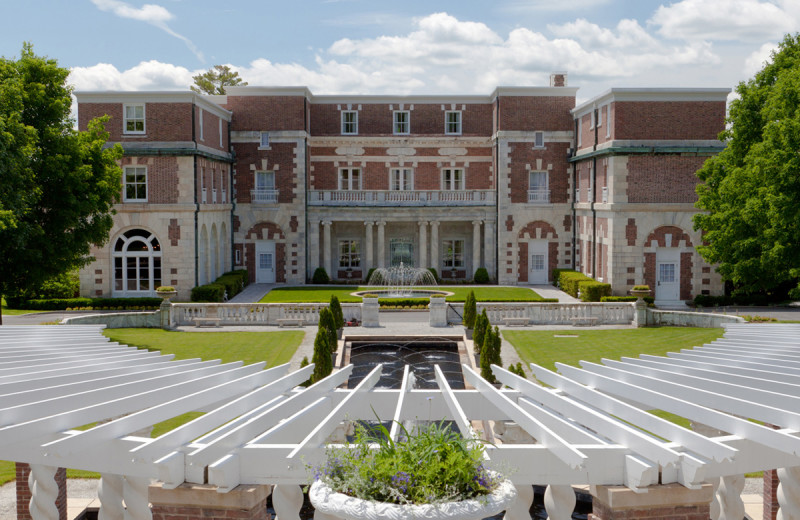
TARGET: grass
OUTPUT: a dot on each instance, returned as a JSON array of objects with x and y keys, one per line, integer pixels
[
  {"x": 275, "y": 348},
  {"x": 304, "y": 294},
  {"x": 545, "y": 348}
]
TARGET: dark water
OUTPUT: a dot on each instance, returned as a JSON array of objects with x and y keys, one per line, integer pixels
[
  {"x": 582, "y": 508},
  {"x": 421, "y": 356}
]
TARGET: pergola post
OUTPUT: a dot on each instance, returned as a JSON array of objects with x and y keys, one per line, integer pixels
[
  {"x": 660, "y": 502},
  {"x": 287, "y": 499},
  {"x": 110, "y": 494},
  {"x": 41, "y": 492},
  {"x": 203, "y": 502},
  {"x": 789, "y": 493},
  {"x": 729, "y": 494}
]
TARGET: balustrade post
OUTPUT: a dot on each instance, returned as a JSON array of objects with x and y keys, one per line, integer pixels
[
  {"x": 559, "y": 502},
  {"x": 729, "y": 494},
  {"x": 287, "y": 499},
  {"x": 110, "y": 494},
  {"x": 520, "y": 509},
  {"x": 789, "y": 493}
]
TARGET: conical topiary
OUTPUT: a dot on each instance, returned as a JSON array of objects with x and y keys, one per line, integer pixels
[
  {"x": 481, "y": 323},
  {"x": 322, "y": 356},
  {"x": 326, "y": 322},
  {"x": 336, "y": 310},
  {"x": 470, "y": 311}
]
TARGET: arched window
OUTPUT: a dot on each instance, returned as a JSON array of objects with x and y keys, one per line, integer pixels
[{"x": 137, "y": 264}]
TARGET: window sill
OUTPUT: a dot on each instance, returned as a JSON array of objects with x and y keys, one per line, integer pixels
[{"x": 134, "y": 135}]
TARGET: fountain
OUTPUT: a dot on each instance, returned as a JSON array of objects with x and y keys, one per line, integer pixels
[{"x": 400, "y": 282}]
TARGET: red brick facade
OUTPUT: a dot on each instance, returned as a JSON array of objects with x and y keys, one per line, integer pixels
[
  {"x": 163, "y": 121},
  {"x": 668, "y": 120},
  {"x": 663, "y": 179}
]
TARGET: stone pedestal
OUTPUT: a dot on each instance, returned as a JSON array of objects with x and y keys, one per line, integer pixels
[
  {"x": 369, "y": 312},
  {"x": 661, "y": 502},
  {"x": 640, "y": 313},
  {"x": 166, "y": 314},
  {"x": 438, "y": 312},
  {"x": 24, "y": 492},
  {"x": 203, "y": 502}
]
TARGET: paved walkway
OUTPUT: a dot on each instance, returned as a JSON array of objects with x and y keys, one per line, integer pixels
[
  {"x": 551, "y": 291},
  {"x": 252, "y": 293}
]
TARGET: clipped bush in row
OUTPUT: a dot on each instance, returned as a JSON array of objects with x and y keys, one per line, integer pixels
[
  {"x": 213, "y": 292},
  {"x": 569, "y": 281},
  {"x": 60, "y": 304},
  {"x": 614, "y": 299},
  {"x": 592, "y": 291},
  {"x": 233, "y": 281}
]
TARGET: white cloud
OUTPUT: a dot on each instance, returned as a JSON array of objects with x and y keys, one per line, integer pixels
[
  {"x": 755, "y": 62},
  {"x": 152, "y": 14},
  {"x": 147, "y": 75},
  {"x": 727, "y": 20}
]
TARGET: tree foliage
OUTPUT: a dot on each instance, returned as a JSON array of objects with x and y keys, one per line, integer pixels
[
  {"x": 216, "y": 79},
  {"x": 470, "y": 310},
  {"x": 322, "y": 355},
  {"x": 57, "y": 185},
  {"x": 751, "y": 190}
]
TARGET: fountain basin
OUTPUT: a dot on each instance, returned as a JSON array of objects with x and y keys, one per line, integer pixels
[{"x": 415, "y": 293}]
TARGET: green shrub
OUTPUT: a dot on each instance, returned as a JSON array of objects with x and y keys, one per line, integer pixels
[
  {"x": 369, "y": 274},
  {"x": 592, "y": 291},
  {"x": 336, "y": 310},
  {"x": 322, "y": 355},
  {"x": 65, "y": 285},
  {"x": 402, "y": 302},
  {"x": 470, "y": 310},
  {"x": 326, "y": 322},
  {"x": 705, "y": 300},
  {"x": 481, "y": 276},
  {"x": 304, "y": 364},
  {"x": 60, "y": 304},
  {"x": 320, "y": 276},
  {"x": 212, "y": 292},
  {"x": 569, "y": 281},
  {"x": 479, "y": 332},
  {"x": 615, "y": 299},
  {"x": 434, "y": 273},
  {"x": 641, "y": 288},
  {"x": 517, "y": 369},
  {"x": 557, "y": 275},
  {"x": 490, "y": 353}
]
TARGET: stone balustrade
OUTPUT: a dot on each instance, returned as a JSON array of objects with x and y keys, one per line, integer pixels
[
  {"x": 184, "y": 314},
  {"x": 552, "y": 313}
]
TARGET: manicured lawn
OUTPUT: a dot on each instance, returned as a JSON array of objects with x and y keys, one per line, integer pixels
[
  {"x": 302, "y": 294},
  {"x": 251, "y": 347},
  {"x": 545, "y": 348}
]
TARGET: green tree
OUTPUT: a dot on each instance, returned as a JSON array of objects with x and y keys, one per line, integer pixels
[
  {"x": 470, "y": 310},
  {"x": 751, "y": 190},
  {"x": 326, "y": 322},
  {"x": 479, "y": 332},
  {"x": 487, "y": 355},
  {"x": 57, "y": 185},
  {"x": 322, "y": 356},
  {"x": 336, "y": 310},
  {"x": 216, "y": 79}
]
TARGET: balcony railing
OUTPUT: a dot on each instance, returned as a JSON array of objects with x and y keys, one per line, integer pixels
[
  {"x": 224, "y": 197},
  {"x": 214, "y": 195},
  {"x": 263, "y": 196},
  {"x": 539, "y": 196},
  {"x": 204, "y": 196},
  {"x": 404, "y": 197},
  {"x": 604, "y": 195}
]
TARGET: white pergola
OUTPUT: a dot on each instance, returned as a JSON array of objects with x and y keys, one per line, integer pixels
[{"x": 587, "y": 425}]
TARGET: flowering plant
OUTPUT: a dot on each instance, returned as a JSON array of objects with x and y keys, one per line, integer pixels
[{"x": 433, "y": 465}]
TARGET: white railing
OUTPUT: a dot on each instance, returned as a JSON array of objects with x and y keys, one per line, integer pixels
[
  {"x": 214, "y": 195},
  {"x": 604, "y": 195},
  {"x": 224, "y": 197},
  {"x": 183, "y": 314},
  {"x": 204, "y": 196},
  {"x": 554, "y": 313},
  {"x": 406, "y": 197},
  {"x": 539, "y": 196},
  {"x": 264, "y": 196}
]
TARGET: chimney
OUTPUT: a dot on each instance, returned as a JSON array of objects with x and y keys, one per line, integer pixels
[{"x": 558, "y": 79}]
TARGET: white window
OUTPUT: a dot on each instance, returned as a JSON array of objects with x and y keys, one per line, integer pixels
[
  {"x": 137, "y": 264},
  {"x": 538, "y": 139},
  {"x": 264, "y": 139},
  {"x": 452, "y": 122},
  {"x": 608, "y": 120},
  {"x": 453, "y": 179},
  {"x": 402, "y": 179},
  {"x": 264, "y": 191},
  {"x": 599, "y": 117},
  {"x": 201, "y": 124},
  {"x": 349, "y": 122},
  {"x": 350, "y": 178},
  {"x": 591, "y": 120},
  {"x": 349, "y": 254},
  {"x": 452, "y": 254},
  {"x": 265, "y": 180},
  {"x": 133, "y": 119},
  {"x": 402, "y": 121},
  {"x": 538, "y": 192},
  {"x": 220, "y": 132},
  {"x": 203, "y": 195},
  {"x": 579, "y": 129},
  {"x": 135, "y": 184}
]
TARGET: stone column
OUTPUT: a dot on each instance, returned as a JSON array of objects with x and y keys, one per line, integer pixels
[
  {"x": 423, "y": 243},
  {"x": 489, "y": 248},
  {"x": 435, "y": 246},
  {"x": 313, "y": 247},
  {"x": 476, "y": 247},
  {"x": 660, "y": 502},
  {"x": 110, "y": 493},
  {"x": 381, "y": 244},
  {"x": 326, "y": 247},
  {"x": 135, "y": 493},
  {"x": 368, "y": 248},
  {"x": 244, "y": 502}
]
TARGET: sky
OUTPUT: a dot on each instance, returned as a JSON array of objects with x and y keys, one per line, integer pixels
[{"x": 403, "y": 47}]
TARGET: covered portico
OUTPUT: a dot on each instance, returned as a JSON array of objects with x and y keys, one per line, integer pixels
[{"x": 588, "y": 425}]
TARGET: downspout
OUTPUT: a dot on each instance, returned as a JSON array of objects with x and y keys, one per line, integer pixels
[
  {"x": 196, "y": 206},
  {"x": 497, "y": 196},
  {"x": 594, "y": 198}
]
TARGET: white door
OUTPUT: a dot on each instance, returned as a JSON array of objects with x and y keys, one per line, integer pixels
[
  {"x": 265, "y": 262},
  {"x": 537, "y": 262},
  {"x": 668, "y": 275}
]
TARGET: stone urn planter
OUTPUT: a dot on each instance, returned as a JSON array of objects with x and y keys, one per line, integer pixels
[
  {"x": 640, "y": 291},
  {"x": 166, "y": 292},
  {"x": 339, "y": 505}
]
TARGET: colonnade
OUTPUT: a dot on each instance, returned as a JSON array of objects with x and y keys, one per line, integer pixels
[{"x": 373, "y": 253}]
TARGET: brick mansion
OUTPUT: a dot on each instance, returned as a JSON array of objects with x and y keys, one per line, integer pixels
[{"x": 520, "y": 181}]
